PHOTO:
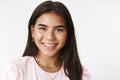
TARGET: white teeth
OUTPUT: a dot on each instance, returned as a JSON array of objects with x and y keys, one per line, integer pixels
[{"x": 49, "y": 45}]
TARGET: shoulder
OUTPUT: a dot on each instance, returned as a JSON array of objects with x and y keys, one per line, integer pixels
[
  {"x": 19, "y": 61},
  {"x": 13, "y": 69},
  {"x": 22, "y": 60},
  {"x": 86, "y": 74}
]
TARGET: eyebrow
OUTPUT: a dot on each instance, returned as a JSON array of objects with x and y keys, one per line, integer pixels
[
  {"x": 58, "y": 26},
  {"x": 42, "y": 25}
]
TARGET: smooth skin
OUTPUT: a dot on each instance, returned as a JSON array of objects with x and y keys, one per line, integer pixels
[{"x": 50, "y": 34}]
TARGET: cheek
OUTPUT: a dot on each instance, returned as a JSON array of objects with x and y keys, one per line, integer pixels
[
  {"x": 38, "y": 36},
  {"x": 63, "y": 38}
]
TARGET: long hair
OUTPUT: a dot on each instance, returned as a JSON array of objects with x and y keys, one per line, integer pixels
[{"x": 72, "y": 65}]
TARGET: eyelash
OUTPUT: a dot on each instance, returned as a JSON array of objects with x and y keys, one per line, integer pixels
[
  {"x": 44, "y": 29},
  {"x": 59, "y": 30}
]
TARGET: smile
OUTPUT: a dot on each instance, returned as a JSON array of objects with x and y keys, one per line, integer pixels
[{"x": 49, "y": 44}]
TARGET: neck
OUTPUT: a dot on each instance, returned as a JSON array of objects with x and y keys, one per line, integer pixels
[
  {"x": 49, "y": 64},
  {"x": 48, "y": 60}
]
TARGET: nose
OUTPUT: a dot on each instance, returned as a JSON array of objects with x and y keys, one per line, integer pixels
[{"x": 50, "y": 35}]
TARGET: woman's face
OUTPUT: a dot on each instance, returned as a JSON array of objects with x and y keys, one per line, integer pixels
[{"x": 49, "y": 33}]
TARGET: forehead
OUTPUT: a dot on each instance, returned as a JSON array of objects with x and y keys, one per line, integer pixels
[{"x": 51, "y": 18}]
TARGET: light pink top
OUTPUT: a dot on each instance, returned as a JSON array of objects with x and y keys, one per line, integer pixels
[{"x": 26, "y": 68}]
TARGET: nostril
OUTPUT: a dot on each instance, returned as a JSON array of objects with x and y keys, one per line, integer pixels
[{"x": 50, "y": 36}]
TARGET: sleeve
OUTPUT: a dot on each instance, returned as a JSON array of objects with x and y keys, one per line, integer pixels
[
  {"x": 12, "y": 71},
  {"x": 86, "y": 75}
]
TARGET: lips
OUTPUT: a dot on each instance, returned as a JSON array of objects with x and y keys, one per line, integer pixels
[{"x": 49, "y": 44}]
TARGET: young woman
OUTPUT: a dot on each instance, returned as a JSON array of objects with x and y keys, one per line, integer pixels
[{"x": 51, "y": 51}]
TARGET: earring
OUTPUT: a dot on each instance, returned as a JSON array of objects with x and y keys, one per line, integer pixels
[{"x": 32, "y": 39}]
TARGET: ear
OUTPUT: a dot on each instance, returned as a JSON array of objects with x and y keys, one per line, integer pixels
[{"x": 32, "y": 31}]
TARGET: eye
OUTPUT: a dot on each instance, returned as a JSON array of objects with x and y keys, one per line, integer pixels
[
  {"x": 42, "y": 29},
  {"x": 59, "y": 30}
]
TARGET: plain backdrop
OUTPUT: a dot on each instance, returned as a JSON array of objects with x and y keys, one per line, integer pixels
[{"x": 97, "y": 25}]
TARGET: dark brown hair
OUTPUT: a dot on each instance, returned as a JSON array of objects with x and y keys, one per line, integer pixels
[{"x": 72, "y": 65}]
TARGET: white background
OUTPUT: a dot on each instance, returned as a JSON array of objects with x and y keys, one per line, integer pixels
[{"x": 97, "y": 24}]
